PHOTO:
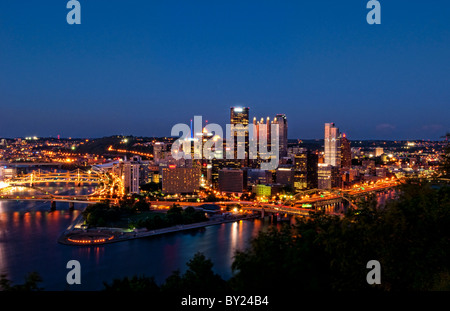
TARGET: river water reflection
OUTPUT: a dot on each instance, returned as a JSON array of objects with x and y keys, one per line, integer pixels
[{"x": 28, "y": 242}]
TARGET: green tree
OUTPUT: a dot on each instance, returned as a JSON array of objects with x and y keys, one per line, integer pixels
[
  {"x": 199, "y": 277},
  {"x": 174, "y": 215},
  {"x": 416, "y": 236},
  {"x": 141, "y": 205},
  {"x": 281, "y": 260},
  {"x": 101, "y": 214},
  {"x": 190, "y": 215},
  {"x": 173, "y": 283},
  {"x": 141, "y": 283},
  {"x": 410, "y": 237},
  {"x": 126, "y": 202},
  {"x": 31, "y": 283},
  {"x": 159, "y": 222}
]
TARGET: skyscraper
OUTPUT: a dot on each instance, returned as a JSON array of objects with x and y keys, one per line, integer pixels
[
  {"x": 305, "y": 170},
  {"x": 300, "y": 171},
  {"x": 281, "y": 120},
  {"x": 131, "y": 176},
  {"x": 324, "y": 176},
  {"x": 332, "y": 145},
  {"x": 346, "y": 152},
  {"x": 262, "y": 127},
  {"x": 285, "y": 176},
  {"x": 311, "y": 170},
  {"x": 240, "y": 115},
  {"x": 158, "y": 148}
]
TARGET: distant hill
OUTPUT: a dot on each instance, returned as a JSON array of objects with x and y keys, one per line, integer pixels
[{"x": 99, "y": 145}]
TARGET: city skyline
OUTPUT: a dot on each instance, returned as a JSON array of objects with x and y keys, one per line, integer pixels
[
  {"x": 139, "y": 70},
  {"x": 201, "y": 150},
  {"x": 243, "y": 116}
]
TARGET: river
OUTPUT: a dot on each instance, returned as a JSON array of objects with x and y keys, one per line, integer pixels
[{"x": 28, "y": 242}]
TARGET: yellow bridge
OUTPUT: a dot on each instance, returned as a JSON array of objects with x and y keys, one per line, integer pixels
[
  {"x": 76, "y": 176},
  {"x": 108, "y": 187}
]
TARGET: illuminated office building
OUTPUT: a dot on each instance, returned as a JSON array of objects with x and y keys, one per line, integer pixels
[
  {"x": 232, "y": 180},
  {"x": 305, "y": 170},
  {"x": 346, "y": 152},
  {"x": 332, "y": 145},
  {"x": 180, "y": 179},
  {"x": 130, "y": 175},
  {"x": 281, "y": 120},
  {"x": 240, "y": 115}
]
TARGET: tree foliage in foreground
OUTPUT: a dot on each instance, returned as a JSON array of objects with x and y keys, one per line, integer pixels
[
  {"x": 410, "y": 237},
  {"x": 31, "y": 283},
  {"x": 199, "y": 277}
]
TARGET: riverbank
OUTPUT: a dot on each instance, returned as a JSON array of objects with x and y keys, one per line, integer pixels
[{"x": 98, "y": 236}]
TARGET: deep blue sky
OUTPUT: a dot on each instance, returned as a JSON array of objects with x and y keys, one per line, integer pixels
[{"x": 139, "y": 67}]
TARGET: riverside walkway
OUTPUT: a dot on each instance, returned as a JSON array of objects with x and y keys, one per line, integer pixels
[{"x": 98, "y": 236}]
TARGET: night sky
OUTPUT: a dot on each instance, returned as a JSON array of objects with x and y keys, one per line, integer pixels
[{"x": 140, "y": 67}]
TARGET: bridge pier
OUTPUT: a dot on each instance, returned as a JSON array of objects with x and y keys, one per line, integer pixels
[
  {"x": 53, "y": 206},
  {"x": 71, "y": 206},
  {"x": 273, "y": 218}
]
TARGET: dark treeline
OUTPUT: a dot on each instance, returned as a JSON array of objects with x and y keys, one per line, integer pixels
[
  {"x": 31, "y": 283},
  {"x": 174, "y": 216},
  {"x": 410, "y": 237},
  {"x": 103, "y": 214}
]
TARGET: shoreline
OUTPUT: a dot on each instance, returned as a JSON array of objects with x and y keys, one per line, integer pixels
[{"x": 105, "y": 235}]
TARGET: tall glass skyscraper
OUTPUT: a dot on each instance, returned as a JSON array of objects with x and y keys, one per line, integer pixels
[
  {"x": 262, "y": 127},
  {"x": 281, "y": 120},
  {"x": 240, "y": 115},
  {"x": 332, "y": 145},
  {"x": 265, "y": 125}
]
